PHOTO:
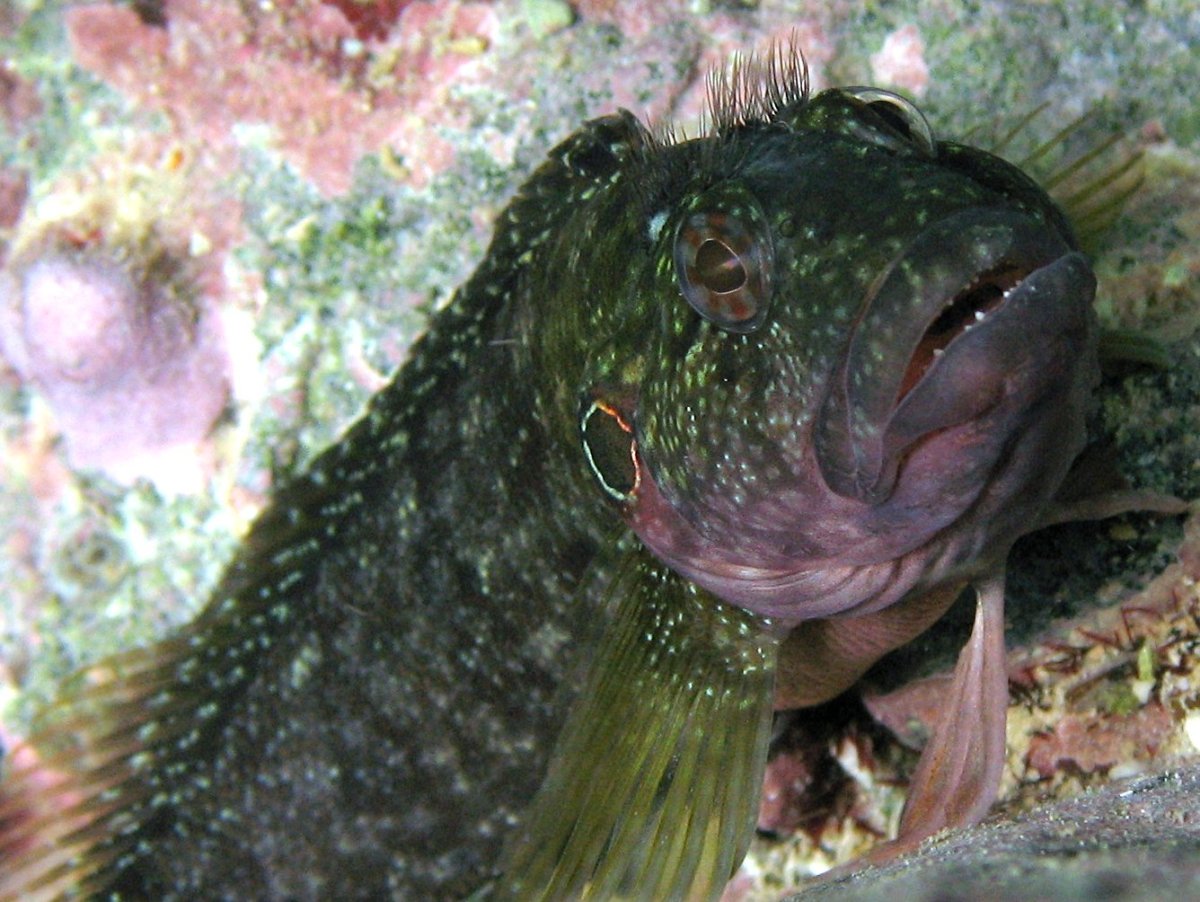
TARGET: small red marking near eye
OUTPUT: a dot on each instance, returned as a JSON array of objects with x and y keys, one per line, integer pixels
[
  {"x": 616, "y": 415},
  {"x": 739, "y": 310}
]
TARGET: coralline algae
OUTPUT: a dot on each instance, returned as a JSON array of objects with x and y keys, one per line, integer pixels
[{"x": 126, "y": 369}]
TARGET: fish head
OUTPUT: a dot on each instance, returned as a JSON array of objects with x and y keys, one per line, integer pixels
[{"x": 849, "y": 346}]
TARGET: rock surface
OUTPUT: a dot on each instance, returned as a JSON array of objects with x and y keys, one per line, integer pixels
[{"x": 1132, "y": 840}]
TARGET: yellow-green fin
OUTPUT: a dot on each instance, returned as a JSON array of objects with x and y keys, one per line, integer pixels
[
  {"x": 70, "y": 800},
  {"x": 653, "y": 789},
  {"x": 1129, "y": 346}
]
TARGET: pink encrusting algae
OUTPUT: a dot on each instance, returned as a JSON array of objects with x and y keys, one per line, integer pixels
[
  {"x": 14, "y": 189},
  {"x": 125, "y": 368},
  {"x": 371, "y": 19},
  {"x": 900, "y": 63},
  {"x": 112, "y": 311},
  {"x": 329, "y": 95}
]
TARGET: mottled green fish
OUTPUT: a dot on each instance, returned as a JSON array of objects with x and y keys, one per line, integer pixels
[{"x": 710, "y": 414}]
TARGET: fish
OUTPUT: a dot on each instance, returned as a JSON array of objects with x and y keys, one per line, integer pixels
[{"x": 716, "y": 423}]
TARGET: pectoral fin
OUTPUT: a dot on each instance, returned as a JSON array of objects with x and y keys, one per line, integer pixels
[
  {"x": 958, "y": 775},
  {"x": 1128, "y": 346},
  {"x": 653, "y": 790}
]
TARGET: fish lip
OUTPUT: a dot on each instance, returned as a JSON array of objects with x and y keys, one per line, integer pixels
[
  {"x": 1044, "y": 307},
  {"x": 861, "y": 430}
]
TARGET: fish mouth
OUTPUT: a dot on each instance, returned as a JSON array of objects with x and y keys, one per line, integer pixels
[
  {"x": 963, "y": 312},
  {"x": 981, "y": 307}
]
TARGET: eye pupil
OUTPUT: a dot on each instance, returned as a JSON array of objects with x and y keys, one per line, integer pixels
[{"x": 719, "y": 268}]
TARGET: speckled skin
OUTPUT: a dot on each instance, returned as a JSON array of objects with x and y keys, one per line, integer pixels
[
  {"x": 425, "y": 579},
  {"x": 370, "y": 699}
]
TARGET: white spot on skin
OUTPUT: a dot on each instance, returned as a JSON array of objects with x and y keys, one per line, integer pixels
[
  {"x": 901, "y": 62},
  {"x": 655, "y": 226}
]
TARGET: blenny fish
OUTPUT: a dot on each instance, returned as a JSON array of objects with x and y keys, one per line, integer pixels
[{"x": 715, "y": 424}]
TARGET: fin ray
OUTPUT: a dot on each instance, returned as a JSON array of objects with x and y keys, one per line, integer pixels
[{"x": 679, "y": 690}]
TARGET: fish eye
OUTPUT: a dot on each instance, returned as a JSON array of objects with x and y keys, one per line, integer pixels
[
  {"x": 900, "y": 115},
  {"x": 723, "y": 263}
]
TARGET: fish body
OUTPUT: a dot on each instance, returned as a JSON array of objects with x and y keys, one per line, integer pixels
[{"x": 768, "y": 397}]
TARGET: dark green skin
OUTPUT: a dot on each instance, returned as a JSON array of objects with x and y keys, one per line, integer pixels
[{"x": 371, "y": 699}]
